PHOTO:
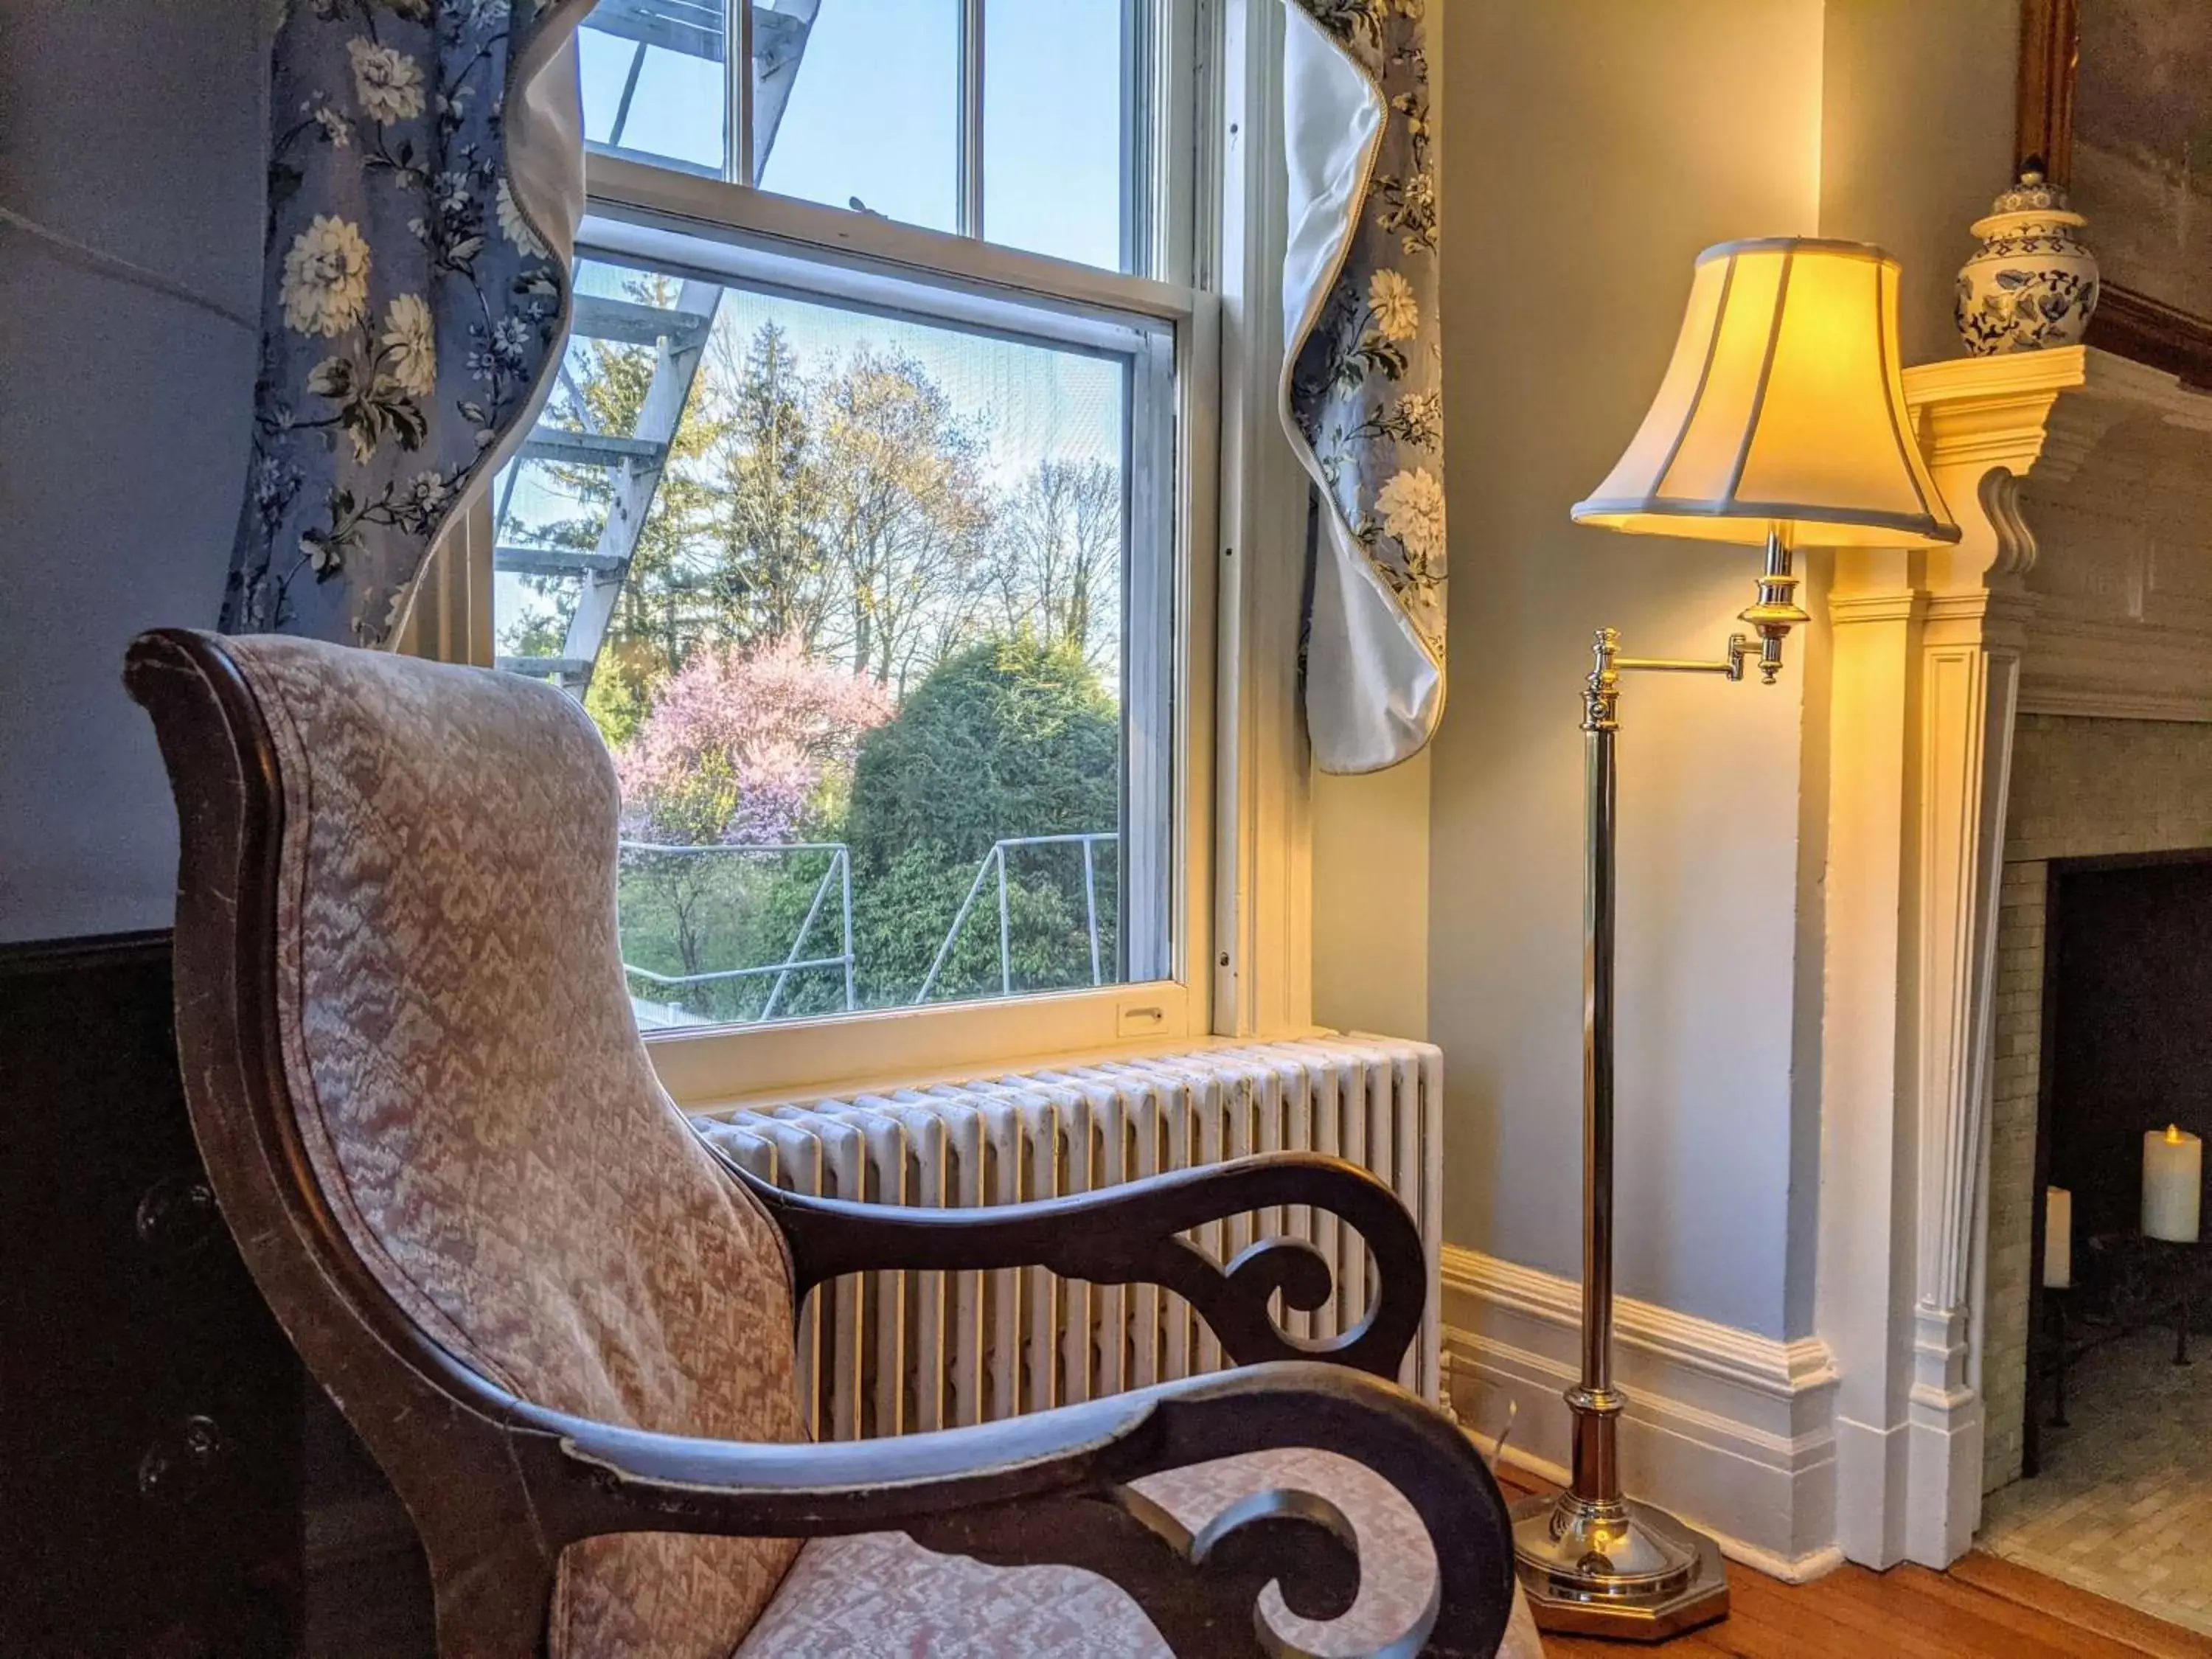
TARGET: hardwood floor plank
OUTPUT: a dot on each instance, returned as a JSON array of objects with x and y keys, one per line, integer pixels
[
  {"x": 1748, "y": 1635},
  {"x": 2010, "y": 1581},
  {"x": 2080, "y": 1643},
  {"x": 1895, "y": 1599},
  {"x": 1872, "y": 1609}
]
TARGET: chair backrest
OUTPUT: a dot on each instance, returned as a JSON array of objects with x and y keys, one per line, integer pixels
[{"x": 427, "y": 956}]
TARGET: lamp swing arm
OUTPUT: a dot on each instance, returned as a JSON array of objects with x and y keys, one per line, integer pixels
[
  {"x": 1740, "y": 646},
  {"x": 1772, "y": 615}
]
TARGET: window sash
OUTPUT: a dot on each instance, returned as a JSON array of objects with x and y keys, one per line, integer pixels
[
  {"x": 1158, "y": 542},
  {"x": 645, "y": 214},
  {"x": 1163, "y": 92}
]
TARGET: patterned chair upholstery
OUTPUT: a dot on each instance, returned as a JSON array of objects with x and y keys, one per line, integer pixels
[{"x": 397, "y": 944}]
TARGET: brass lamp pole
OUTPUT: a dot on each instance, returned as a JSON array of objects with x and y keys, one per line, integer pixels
[{"x": 1782, "y": 416}]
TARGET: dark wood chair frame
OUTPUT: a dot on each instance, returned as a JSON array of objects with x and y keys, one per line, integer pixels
[{"x": 498, "y": 1486}]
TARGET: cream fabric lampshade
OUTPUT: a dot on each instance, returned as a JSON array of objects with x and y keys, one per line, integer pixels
[{"x": 1784, "y": 408}]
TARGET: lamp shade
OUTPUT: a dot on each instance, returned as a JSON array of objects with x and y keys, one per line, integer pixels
[{"x": 1784, "y": 408}]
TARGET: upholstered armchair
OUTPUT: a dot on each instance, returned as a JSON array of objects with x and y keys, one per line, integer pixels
[{"x": 564, "y": 1328}]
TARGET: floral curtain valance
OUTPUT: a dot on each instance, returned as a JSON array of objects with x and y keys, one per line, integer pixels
[
  {"x": 1362, "y": 384},
  {"x": 425, "y": 180}
]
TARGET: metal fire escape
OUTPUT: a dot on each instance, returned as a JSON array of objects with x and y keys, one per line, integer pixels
[{"x": 678, "y": 334}]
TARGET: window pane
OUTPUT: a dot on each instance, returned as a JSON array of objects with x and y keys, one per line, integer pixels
[
  {"x": 1055, "y": 175},
  {"x": 877, "y": 627},
  {"x": 653, "y": 81},
  {"x": 871, "y": 115}
]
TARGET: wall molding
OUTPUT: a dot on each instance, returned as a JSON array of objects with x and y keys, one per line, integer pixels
[
  {"x": 2097, "y": 668},
  {"x": 1897, "y": 605},
  {"x": 1732, "y": 1430}
]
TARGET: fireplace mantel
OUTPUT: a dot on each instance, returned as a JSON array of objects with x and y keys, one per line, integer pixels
[
  {"x": 2082, "y": 584},
  {"x": 2101, "y": 473}
]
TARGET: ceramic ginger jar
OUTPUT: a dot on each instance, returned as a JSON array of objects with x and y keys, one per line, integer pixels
[{"x": 2033, "y": 284}]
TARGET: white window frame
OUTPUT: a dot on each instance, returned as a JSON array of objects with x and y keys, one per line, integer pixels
[
  {"x": 1240, "y": 899},
  {"x": 450, "y": 616},
  {"x": 1263, "y": 828}
]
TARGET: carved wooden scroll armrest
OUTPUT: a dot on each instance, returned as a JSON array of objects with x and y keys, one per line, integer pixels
[{"x": 1129, "y": 1235}]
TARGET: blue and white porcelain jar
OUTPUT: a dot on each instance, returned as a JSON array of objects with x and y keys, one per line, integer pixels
[{"x": 2033, "y": 284}]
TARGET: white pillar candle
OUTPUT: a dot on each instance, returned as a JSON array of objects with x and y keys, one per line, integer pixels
[
  {"x": 2058, "y": 1239},
  {"x": 2173, "y": 1184}
]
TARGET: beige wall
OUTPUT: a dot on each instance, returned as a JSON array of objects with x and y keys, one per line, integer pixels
[
  {"x": 1916, "y": 139},
  {"x": 1593, "y": 148},
  {"x": 1371, "y": 901}
]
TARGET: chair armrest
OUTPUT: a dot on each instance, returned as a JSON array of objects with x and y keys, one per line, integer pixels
[
  {"x": 1052, "y": 1488},
  {"x": 1127, "y": 1234}
]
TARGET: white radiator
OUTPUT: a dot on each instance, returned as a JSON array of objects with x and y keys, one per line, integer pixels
[{"x": 892, "y": 1353}]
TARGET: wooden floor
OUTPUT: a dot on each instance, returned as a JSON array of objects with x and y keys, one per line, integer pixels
[{"x": 1983, "y": 1609}]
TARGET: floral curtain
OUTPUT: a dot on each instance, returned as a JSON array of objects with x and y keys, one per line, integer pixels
[
  {"x": 425, "y": 180},
  {"x": 1362, "y": 384}
]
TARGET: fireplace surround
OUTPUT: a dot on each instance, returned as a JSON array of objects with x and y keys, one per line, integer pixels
[{"x": 2044, "y": 690}]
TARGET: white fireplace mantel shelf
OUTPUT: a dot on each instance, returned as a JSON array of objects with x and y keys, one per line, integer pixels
[
  {"x": 2005, "y": 408},
  {"x": 2082, "y": 584},
  {"x": 2083, "y": 483}
]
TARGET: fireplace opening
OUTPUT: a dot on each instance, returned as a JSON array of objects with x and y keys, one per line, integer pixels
[
  {"x": 2118, "y": 1420},
  {"x": 2127, "y": 1053}
]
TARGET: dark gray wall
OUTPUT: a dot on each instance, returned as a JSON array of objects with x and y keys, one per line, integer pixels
[{"x": 134, "y": 126}]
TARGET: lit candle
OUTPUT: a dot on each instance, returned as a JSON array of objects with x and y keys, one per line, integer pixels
[
  {"x": 2173, "y": 1184},
  {"x": 2058, "y": 1239}
]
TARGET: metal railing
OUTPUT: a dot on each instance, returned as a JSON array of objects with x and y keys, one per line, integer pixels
[
  {"x": 838, "y": 873},
  {"x": 997, "y": 857},
  {"x": 839, "y": 870}
]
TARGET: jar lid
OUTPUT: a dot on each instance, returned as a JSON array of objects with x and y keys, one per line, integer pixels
[
  {"x": 2034, "y": 193},
  {"x": 2034, "y": 207}
]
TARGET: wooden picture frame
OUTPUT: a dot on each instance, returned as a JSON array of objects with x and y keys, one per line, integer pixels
[{"x": 2129, "y": 321}]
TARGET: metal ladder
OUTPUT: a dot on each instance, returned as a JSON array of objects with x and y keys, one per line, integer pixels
[
  {"x": 698, "y": 28},
  {"x": 679, "y": 336}
]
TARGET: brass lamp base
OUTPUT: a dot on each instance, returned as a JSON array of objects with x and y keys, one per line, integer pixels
[{"x": 1624, "y": 1570}]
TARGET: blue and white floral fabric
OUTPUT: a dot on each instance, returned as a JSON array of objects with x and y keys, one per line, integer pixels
[
  {"x": 1363, "y": 379},
  {"x": 425, "y": 180}
]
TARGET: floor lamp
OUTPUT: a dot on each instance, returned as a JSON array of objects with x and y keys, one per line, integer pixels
[{"x": 1780, "y": 422}]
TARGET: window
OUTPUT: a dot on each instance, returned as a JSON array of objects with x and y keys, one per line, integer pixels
[{"x": 861, "y": 515}]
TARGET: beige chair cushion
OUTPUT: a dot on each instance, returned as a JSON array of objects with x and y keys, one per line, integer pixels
[
  {"x": 480, "y": 1113},
  {"x": 882, "y": 1596}
]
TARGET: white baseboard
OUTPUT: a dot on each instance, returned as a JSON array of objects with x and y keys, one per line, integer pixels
[{"x": 1731, "y": 1431}]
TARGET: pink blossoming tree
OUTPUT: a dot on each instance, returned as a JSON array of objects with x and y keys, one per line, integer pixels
[{"x": 747, "y": 748}]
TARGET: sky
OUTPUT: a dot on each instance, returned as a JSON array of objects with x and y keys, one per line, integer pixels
[{"x": 872, "y": 114}]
